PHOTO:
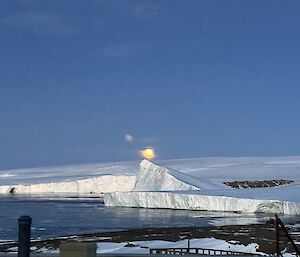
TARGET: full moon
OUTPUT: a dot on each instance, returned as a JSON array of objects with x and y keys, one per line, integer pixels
[{"x": 148, "y": 153}]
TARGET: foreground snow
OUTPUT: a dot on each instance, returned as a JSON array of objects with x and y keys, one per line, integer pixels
[{"x": 143, "y": 247}]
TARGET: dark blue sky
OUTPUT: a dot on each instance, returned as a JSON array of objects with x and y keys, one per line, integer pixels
[{"x": 190, "y": 78}]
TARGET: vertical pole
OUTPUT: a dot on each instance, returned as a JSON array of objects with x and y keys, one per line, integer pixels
[
  {"x": 277, "y": 236},
  {"x": 24, "y": 236}
]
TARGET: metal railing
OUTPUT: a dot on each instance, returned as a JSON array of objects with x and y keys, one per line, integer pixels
[{"x": 198, "y": 251}]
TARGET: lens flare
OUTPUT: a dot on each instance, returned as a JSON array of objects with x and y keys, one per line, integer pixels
[
  {"x": 148, "y": 153},
  {"x": 128, "y": 138}
]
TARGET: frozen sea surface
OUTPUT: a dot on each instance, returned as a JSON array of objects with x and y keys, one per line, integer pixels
[{"x": 55, "y": 216}]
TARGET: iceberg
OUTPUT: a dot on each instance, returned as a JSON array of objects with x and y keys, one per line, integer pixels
[
  {"x": 75, "y": 179},
  {"x": 97, "y": 185},
  {"x": 161, "y": 187},
  {"x": 193, "y": 201}
]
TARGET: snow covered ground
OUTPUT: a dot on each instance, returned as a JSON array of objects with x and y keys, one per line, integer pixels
[
  {"x": 186, "y": 184},
  {"x": 142, "y": 247}
]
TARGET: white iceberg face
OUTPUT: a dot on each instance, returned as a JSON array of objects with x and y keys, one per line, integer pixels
[
  {"x": 194, "y": 201},
  {"x": 97, "y": 185}
]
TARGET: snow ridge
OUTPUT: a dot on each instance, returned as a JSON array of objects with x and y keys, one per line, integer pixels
[{"x": 152, "y": 177}]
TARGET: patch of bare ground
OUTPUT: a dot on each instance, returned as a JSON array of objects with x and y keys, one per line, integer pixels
[
  {"x": 258, "y": 183},
  {"x": 262, "y": 234}
]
